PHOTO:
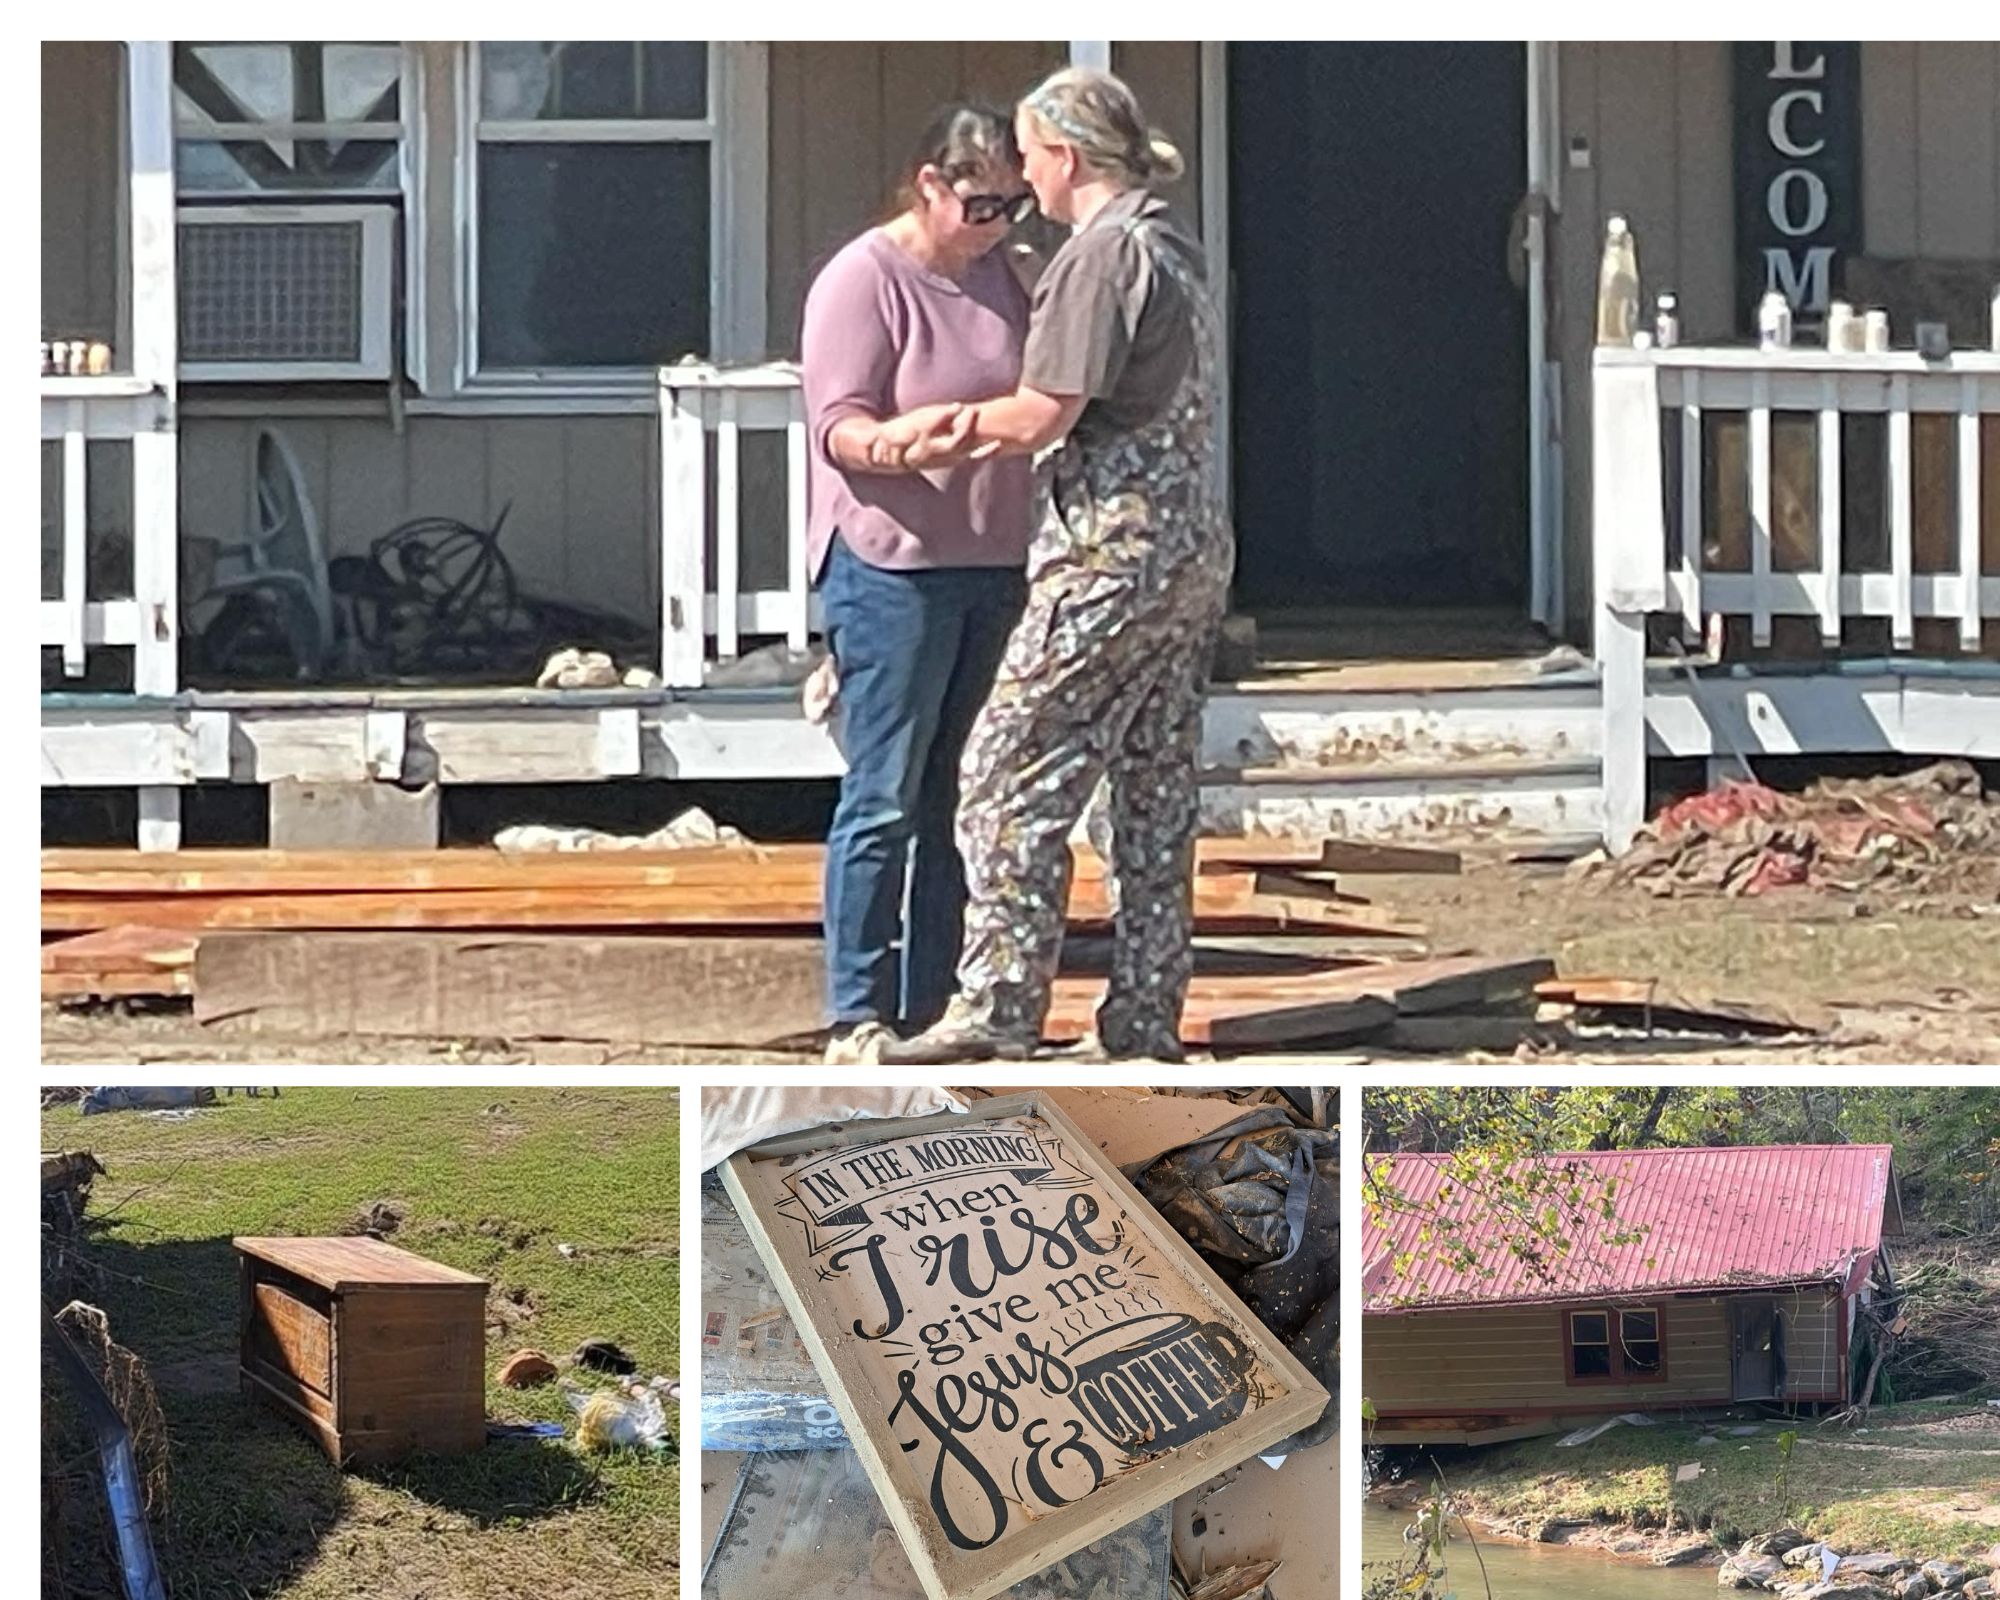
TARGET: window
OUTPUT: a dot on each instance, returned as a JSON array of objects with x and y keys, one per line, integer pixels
[
  {"x": 1616, "y": 1345},
  {"x": 287, "y": 119},
  {"x": 593, "y": 187}
]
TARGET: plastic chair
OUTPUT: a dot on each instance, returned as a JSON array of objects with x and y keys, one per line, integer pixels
[{"x": 283, "y": 557}]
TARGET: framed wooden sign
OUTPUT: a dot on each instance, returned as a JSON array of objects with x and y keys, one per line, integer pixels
[{"x": 1026, "y": 1354}]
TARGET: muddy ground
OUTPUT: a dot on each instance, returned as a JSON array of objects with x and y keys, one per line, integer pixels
[{"x": 1915, "y": 979}]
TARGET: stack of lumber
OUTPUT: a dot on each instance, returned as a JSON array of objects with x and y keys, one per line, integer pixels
[
  {"x": 1243, "y": 886},
  {"x": 702, "y": 946}
]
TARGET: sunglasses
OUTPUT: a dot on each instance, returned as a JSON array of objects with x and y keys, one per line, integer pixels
[{"x": 981, "y": 209}]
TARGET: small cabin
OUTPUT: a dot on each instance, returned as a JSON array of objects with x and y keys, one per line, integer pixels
[{"x": 1721, "y": 1276}]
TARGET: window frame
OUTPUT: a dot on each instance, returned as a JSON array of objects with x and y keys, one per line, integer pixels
[
  {"x": 401, "y": 133},
  {"x": 1614, "y": 1327},
  {"x": 736, "y": 131}
]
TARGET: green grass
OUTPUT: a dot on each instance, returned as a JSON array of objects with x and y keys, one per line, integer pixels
[
  {"x": 489, "y": 1180},
  {"x": 1904, "y": 1485}
]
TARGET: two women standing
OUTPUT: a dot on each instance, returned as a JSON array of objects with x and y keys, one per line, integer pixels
[{"x": 1128, "y": 577}]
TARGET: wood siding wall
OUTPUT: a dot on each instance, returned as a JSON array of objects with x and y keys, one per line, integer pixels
[
  {"x": 83, "y": 192},
  {"x": 1655, "y": 116},
  {"x": 1511, "y": 1359},
  {"x": 844, "y": 117},
  {"x": 1657, "y": 121}
]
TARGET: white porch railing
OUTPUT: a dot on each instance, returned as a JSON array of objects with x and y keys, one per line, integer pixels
[
  {"x": 704, "y": 615},
  {"x": 135, "y": 404},
  {"x": 75, "y": 412},
  {"x": 1642, "y": 566}
]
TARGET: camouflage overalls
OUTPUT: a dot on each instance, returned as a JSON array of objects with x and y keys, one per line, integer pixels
[{"x": 1103, "y": 678}]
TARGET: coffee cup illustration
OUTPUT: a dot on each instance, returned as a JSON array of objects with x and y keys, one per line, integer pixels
[{"x": 1160, "y": 1380}]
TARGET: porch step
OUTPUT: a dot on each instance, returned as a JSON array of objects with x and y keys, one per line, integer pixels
[
  {"x": 1487, "y": 803},
  {"x": 1317, "y": 732}
]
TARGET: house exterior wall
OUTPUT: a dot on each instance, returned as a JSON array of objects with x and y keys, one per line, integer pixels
[
  {"x": 1657, "y": 118},
  {"x": 1511, "y": 1359},
  {"x": 83, "y": 191}
]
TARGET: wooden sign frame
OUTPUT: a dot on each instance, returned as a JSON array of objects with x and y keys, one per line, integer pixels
[{"x": 803, "y": 1216}]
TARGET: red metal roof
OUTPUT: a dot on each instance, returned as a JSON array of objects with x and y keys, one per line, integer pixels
[{"x": 1711, "y": 1219}]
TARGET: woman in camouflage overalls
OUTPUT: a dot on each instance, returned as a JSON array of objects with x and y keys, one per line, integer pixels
[{"x": 1129, "y": 575}]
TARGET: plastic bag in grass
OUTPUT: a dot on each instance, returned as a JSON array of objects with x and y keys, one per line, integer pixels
[{"x": 609, "y": 1419}]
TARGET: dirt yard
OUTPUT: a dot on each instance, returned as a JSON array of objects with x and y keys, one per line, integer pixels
[{"x": 1905, "y": 982}]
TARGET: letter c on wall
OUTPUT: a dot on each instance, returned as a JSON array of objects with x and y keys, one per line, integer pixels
[{"x": 1778, "y": 123}]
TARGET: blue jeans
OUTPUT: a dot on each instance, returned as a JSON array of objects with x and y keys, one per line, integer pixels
[{"x": 917, "y": 652}]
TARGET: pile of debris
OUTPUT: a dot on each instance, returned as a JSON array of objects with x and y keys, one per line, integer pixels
[{"x": 1931, "y": 832}]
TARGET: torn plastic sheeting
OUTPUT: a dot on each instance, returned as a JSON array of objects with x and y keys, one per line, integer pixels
[
  {"x": 136, "y": 1566},
  {"x": 1585, "y": 1435},
  {"x": 1263, "y": 1208},
  {"x": 145, "y": 1099}
]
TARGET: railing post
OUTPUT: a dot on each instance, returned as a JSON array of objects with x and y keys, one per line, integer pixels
[
  {"x": 1628, "y": 548},
  {"x": 76, "y": 538},
  {"x": 155, "y": 450},
  {"x": 798, "y": 566},
  {"x": 683, "y": 537}
]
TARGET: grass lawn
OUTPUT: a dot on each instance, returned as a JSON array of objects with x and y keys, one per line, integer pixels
[
  {"x": 490, "y": 1181},
  {"x": 1923, "y": 1480}
]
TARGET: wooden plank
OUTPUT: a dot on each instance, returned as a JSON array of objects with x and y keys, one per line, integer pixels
[
  {"x": 123, "y": 948},
  {"x": 339, "y": 1264},
  {"x": 1673, "y": 1003},
  {"x": 1359, "y": 856},
  {"x": 706, "y": 990},
  {"x": 301, "y": 1338},
  {"x": 698, "y": 906},
  {"x": 1149, "y": 1393},
  {"x": 1348, "y": 1002},
  {"x": 79, "y": 870}
]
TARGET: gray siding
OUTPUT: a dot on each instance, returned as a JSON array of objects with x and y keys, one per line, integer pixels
[
  {"x": 585, "y": 491},
  {"x": 1511, "y": 1360},
  {"x": 83, "y": 191}
]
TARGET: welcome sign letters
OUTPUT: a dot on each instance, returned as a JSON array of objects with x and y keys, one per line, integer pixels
[{"x": 1025, "y": 1354}]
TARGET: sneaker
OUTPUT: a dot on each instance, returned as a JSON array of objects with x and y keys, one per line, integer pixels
[{"x": 858, "y": 1044}]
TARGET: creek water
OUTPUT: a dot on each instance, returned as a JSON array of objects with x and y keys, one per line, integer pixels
[{"x": 1535, "y": 1571}]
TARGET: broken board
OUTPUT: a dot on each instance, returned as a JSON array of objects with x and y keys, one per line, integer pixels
[{"x": 1025, "y": 1354}]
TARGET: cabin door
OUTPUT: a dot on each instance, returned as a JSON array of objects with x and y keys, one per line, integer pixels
[{"x": 1757, "y": 1358}]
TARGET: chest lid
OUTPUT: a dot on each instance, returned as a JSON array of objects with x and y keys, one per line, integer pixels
[{"x": 341, "y": 1265}]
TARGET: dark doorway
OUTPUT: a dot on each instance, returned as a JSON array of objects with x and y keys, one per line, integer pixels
[
  {"x": 1380, "y": 398},
  {"x": 1757, "y": 1359}
]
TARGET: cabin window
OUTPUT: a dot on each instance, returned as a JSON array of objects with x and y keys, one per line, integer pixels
[
  {"x": 593, "y": 198},
  {"x": 1623, "y": 1344},
  {"x": 287, "y": 120}
]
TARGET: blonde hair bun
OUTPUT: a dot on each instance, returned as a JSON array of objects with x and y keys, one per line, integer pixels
[{"x": 1166, "y": 161}]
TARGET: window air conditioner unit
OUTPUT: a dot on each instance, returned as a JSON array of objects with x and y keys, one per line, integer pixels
[{"x": 277, "y": 293}]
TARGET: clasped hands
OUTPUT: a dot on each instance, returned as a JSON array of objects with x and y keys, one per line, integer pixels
[{"x": 930, "y": 436}]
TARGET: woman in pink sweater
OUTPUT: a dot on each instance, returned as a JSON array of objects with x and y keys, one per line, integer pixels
[{"x": 920, "y": 572}]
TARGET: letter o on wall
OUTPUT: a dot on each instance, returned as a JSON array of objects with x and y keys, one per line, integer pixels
[{"x": 1778, "y": 202}]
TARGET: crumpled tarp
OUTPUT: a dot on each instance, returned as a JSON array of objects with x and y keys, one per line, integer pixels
[
  {"x": 144, "y": 1099},
  {"x": 1263, "y": 1209},
  {"x": 1933, "y": 830}
]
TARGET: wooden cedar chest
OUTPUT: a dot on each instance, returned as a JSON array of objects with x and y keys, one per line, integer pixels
[{"x": 376, "y": 1352}]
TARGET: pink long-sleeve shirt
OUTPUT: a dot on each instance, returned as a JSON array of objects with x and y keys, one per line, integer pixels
[{"x": 882, "y": 335}]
